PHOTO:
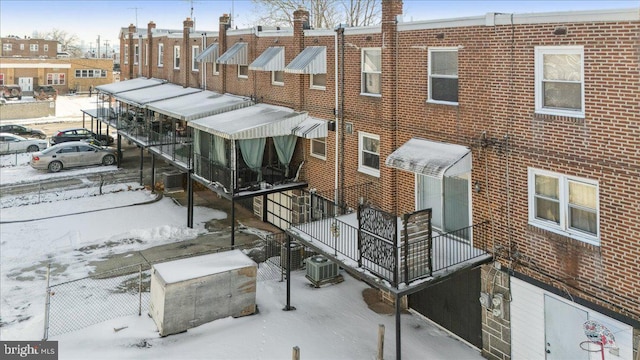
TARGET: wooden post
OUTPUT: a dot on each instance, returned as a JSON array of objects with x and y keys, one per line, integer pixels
[
  {"x": 296, "y": 353},
  {"x": 380, "y": 342}
]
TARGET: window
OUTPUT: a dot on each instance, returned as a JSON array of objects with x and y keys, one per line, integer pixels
[
  {"x": 214, "y": 68},
  {"x": 33, "y": 47},
  {"x": 91, "y": 73},
  {"x": 136, "y": 54},
  {"x": 318, "y": 81},
  {"x": 176, "y": 57},
  {"x": 243, "y": 71},
  {"x": 45, "y": 47},
  {"x": 559, "y": 74},
  {"x": 21, "y": 46},
  {"x": 160, "y": 55},
  {"x": 564, "y": 204},
  {"x": 277, "y": 77},
  {"x": 126, "y": 53},
  {"x": 1, "y": 79},
  {"x": 371, "y": 71},
  {"x": 369, "y": 154},
  {"x": 6, "y": 47},
  {"x": 319, "y": 148},
  {"x": 55, "y": 79},
  {"x": 195, "y": 51},
  {"x": 443, "y": 75},
  {"x": 146, "y": 54}
]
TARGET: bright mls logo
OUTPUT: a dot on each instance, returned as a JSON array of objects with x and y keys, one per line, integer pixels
[{"x": 41, "y": 350}]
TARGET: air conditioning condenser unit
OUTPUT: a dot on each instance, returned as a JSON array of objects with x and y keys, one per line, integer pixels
[{"x": 321, "y": 270}]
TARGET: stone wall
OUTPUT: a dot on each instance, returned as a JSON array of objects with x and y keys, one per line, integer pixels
[{"x": 27, "y": 110}]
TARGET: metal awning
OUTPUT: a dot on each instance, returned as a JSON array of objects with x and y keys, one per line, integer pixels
[
  {"x": 253, "y": 122},
  {"x": 199, "y": 105},
  {"x": 144, "y": 96},
  {"x": 312, "y": 60},
  {"x": 272, "y": 59},
  {"x": 209, "y": 55},
  {"x": 311, "y": 128},
  {"x": 128, "y": 85},
  {"x": 431, "y": 158},
  {"x": 237, "y": 54}
]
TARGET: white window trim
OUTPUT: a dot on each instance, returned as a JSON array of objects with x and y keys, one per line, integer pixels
[
  {"x": 176, "y": 56},
  {"x": 273, "y": 79},
  {"x": 243, "y": 76},
  {"x": 362, "y": 168},
  {"x": 136, "y": 54},
  {"x": 540, "y": 51},
  {"x": 315, "y": 87},
  {"x": 214, "y": 69},
  {"x": 562, "y": 228},
  {"x": 146, "y": 54},
  {"x": 362, "y": 87},
  {"x": 429, "y": 97},
  {"x": 126, "y": 54},
  {"x": 45, "y": 47},
  {"x": 160, "y": 55},
  {"x": 321, "y": 157},
  {"x": 195, "y": 51}
]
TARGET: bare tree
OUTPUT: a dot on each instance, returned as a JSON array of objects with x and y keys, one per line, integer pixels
[
  {"x": 68, "y": 42},
  {"x": 323, "y": 13}
]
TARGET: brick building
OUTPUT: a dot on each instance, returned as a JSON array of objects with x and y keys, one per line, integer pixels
[
  {"x": 34, "y": 62},
  {"x": 525, "y": 122}
]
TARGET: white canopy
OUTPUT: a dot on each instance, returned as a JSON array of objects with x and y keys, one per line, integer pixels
[
  {"x": 128, "y": 85},
  {"x": 198, "y": 105},
  {"x": 431, "y": 158}
]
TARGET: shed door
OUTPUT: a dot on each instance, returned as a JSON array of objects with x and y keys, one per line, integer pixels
[
  {"x": 279, "y": 207},
  {"x": 563, "y": 330}
]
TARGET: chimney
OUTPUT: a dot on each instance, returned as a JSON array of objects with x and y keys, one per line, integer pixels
[
  {"x": 300, "y": 24},
  {"x": 186, "y": 58},
  {"x": 224, "y": 25},
  {"x": 151, "y": 48},
  {"x": 132, "y": 30}
]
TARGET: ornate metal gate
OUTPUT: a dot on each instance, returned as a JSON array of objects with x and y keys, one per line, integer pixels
[{"x": 378, "y": 242}]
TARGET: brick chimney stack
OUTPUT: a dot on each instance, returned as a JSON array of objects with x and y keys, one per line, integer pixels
[
  {"x": 300, "y": 24},
  {"x": 224, "y": 25},
  {"x": 150, "y": 27},
  {"x": 186, "y": 52},
  {"x": 132, "y": 30}
]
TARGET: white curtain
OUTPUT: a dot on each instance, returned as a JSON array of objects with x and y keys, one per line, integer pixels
[
  {"x": 285, "y": 145},
  {"x": 252, "y": 151},
  {"x": 218, "y": 153}
]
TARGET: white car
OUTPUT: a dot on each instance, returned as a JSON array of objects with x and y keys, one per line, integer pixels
[{"x": 10, "y": 143}]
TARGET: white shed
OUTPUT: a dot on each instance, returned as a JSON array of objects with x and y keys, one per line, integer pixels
[{"x": 189, "y": 292}]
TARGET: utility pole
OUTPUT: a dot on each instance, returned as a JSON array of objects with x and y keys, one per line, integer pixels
[{"x": 98, "y": 46}]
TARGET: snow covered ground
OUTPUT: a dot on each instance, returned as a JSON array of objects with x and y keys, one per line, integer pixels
[{"x": 332, "y": 322}]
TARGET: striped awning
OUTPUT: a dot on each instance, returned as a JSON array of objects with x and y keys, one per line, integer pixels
[
  {"x": 312, "y": 60},
  {"x": 199, "y": 105},
  {"x": 272, "y": 59},
  {"x": 431, "y": 158},
  {"x": 128, "y": 85},
  {"x": 311, "y": 128},
  {"x": 209, "y": 55},
  {"x": 253, "y": 122},
  {"x": 237, "y": 54}
]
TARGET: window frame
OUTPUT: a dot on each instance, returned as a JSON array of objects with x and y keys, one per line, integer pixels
[
  {"x": 45, "y": 47},
  {"x": 136, "y": 54},
  {"x": 33, "y": 47},
  {"x": 243, "y": 76},
  {"x": 430, "y": 76},
  {"x": 126, "y": 54},
  {"x": 273, "y": 78},
  {"x": 195, "y": 51},
  {"x": 563, "y": 227},
  {"x": 322, "y": 140},
  {"x": 362, "y": 72},
  {"x": 540, "y": 51},
  {"x": 1, "y": 78},
  {"x": 364, "y": 168},
  {"x": 7, "y": 47},
  {"x": 56, "y": 79},
  {"x": 317, "y": 87},
  {"x": 176, "y": 57},
  {"x": 160, "y": 55},
  {"x": 146, "y": 54}
]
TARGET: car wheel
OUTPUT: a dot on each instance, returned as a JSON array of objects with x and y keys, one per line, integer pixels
[
  {"x": 33, "y": 148},
  {"x": 55, "y": 166},
  {"x": 108, "y": 160}
]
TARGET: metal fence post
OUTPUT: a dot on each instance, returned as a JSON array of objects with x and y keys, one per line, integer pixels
[
  {"x": 47, "y": 306},
  {"x": 140, "y": 291}
]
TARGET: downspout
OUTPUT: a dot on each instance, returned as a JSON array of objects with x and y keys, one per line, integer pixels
[
  {"x": 139, "y": 55},
  {"x": 336, "y": 113},
  {"x": 204, "y": 63},
  {"x": 342, "y": 138}
]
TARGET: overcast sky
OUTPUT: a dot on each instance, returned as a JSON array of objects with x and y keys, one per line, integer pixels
[{"x": 90, "y": 19}]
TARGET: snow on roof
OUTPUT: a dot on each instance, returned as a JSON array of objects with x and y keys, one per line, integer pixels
[
  {"x": 141, "y": 97},
  {"x": 199, "y": 266},
  {"x": 198, "y": 105}
]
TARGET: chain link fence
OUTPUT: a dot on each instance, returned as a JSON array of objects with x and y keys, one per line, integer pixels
[{"x": 125, "y": 291}]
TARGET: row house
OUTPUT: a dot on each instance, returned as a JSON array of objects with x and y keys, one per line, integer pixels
[
  {"x": 14, "y": 46},
  {"x": 481, "y": 171}
]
